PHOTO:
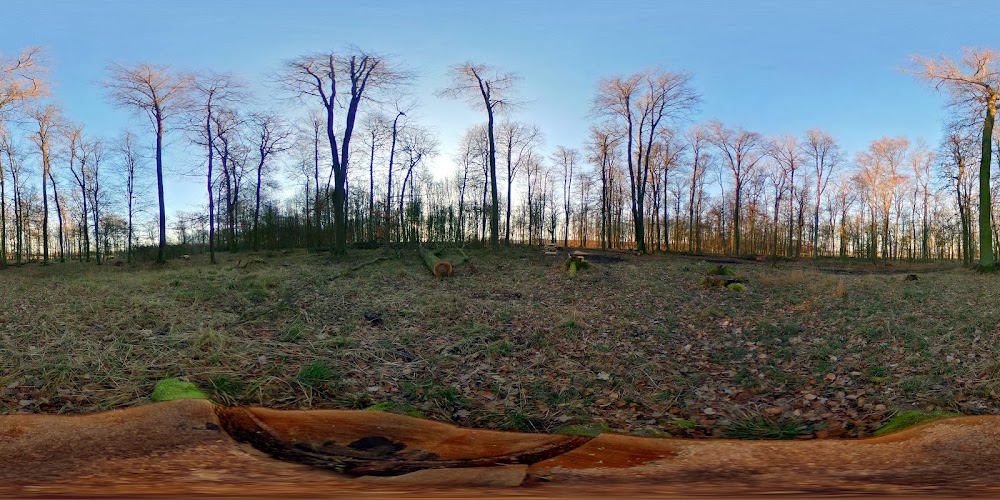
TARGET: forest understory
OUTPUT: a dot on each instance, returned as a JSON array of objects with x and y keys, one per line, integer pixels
[{"x": 634, "y": 344}]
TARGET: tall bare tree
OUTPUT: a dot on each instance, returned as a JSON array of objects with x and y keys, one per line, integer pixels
[
  {"x": 823, "y": 150},
  {"x": 96, "y": 148},
  {"x": 272, "y": 138},
  {"x": 604, "y": 151},
  {"x": 517, "y": 140},
  {"x": 129, "y": 161},
  {"x": 566, "y": 159},
  {"x": 161, "y": 94},
  {"x": 79, "y": 160},
  {"x": 480, "y": 83},
  {"x": 742, "y": 150},
  {"x": 641, "y": 103},
  {"x": 697, "y": 141},
  {"x": 47, "y": 122},
  {"x": 788, "y": 153},
  {"x": 211, "y": 92},
  {"x": 392, "y": 160},
  {"x": 322, "y": 76},
  {"x": 974, "y": 85}
]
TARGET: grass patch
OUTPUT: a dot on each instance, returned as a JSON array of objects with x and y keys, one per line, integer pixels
[
  {"x": 315, "y": 375},
  {"x": 905, "y": 419},
  {"x": 757, "y": 427}
]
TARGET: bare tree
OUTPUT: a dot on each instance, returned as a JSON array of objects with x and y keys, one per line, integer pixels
[
  {"x": 641, "y": 103},
  {"x": 212, "y": 91},
  {"x": 129, "y": 165},
  {"x": 320, "y": 76},
  {"x": 697, "y": 139},
  {"x": 788, "y": 153},
  {"x": 96, "y": 148},
  {"x": 825, "y": 154},
  {"x": 604, "y": 152},
  {"x": 974, "y": 87},
  {"x": 47, "y": 122},
  {"x": 477, "y": 83},
  {"x": 161, "y": 94},
  {"x": 921, "y": 158},
  {"x": 416, "y": 146},
  {"x": 272, "y": 137},
  {"x": 517, "y": 139},
  {"x": 376, "y": 131},
  {"x": 742, "y": 150},
  {"x": 21, "y": 79},
  {"x": 392, "y": 160},
  {"x": 566, "y": 159},
  {"x": 79, "y": 158}
]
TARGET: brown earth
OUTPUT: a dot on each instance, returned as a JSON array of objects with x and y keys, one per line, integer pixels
[{"x": 192, "y": 447}]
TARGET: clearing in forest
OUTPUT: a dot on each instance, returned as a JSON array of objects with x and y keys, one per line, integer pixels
[{"x": 632, "y": 344}]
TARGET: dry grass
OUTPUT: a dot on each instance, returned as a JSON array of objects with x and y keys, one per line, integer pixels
[{"x": 634, "y": 346}]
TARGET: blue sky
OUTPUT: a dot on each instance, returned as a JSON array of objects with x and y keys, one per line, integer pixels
[{"x": 777, "y": 66}]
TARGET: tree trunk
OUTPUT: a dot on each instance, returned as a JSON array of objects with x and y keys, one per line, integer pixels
[
  {"x": 987, "y": 262},
  {"x": 161, "y": 256},
  {"x": 55, "y": 194},
  {"x": 439, "y": 267},
  {"x": 495, "y": 209}
]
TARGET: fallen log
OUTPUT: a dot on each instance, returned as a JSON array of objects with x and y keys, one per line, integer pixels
[{"x": 437, "y": 265}]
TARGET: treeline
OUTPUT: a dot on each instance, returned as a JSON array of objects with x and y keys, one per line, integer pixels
[{"x": 354, "y": 159}]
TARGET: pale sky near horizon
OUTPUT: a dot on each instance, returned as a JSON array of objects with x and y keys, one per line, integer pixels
[{"x": 773, "y": 66}]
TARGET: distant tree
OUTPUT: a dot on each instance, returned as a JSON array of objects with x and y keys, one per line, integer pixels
[
  {"x": 392, "y": 167},
  {"x": 322, "y": 76},
  {"x": 161, "y": 94},
  {"x": 59, "y": 215},
  {"x": 921, "y": 159},
  {"x": 517, "y": 140},
  {"x": 788, "y": 153},
  {"x": 96, "y": 148},
  {"x": 416, "y": 145},
  {"x": 129, "y": 162},
  {"x": 272, "y": 137},
  {"x": 741, "y": 150},
  {"x": 79, "y": 158},
  {"x": 376, "y": 131},
  {"x": 47, "y": 122},
  {"x": 697, "y": 138},
  {"x": 14, "y": 164},
  {"x": 566, "y": 159},
  {"x": 958, "y": 147},
  {"x": 974, "y": 87},
  {"x": 604, "y": 152},
  {"x": 476, "y": 82},
  {"x": 823, "y": 150},
  {"x": 878, "y": 174},
  {"x": 641, "y": 103},
  {"x": 211, "y": 92}
]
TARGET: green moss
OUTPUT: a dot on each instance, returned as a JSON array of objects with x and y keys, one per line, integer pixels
[
  {"x": 583, "y": 430},
  {"x": 720, "y": 271},
  {"x": 905, "y": 419},
  {"x": 736, "y": 287},
  {"x": 170, "y": 389},
  {"x": 397, "y": 408}
]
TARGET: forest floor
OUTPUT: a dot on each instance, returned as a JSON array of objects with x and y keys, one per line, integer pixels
[{"x": 511, "y": 341}]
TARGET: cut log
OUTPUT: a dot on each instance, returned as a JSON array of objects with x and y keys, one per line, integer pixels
[{"x": 437, "y": 265}]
